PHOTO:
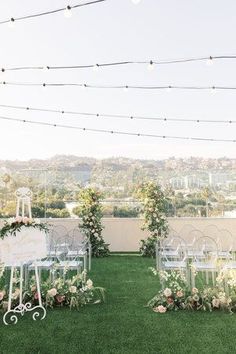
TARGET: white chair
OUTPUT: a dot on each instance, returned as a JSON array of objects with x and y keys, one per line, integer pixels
[
  {"x": 185, "y": 231},
  {"x": 174, "y": 258},
  {"x": 225, "y": 244},
  {"x": 82, "y": 246},
  {"x": 204, "y": 258},
  {"x": 211, "y": 231},
  {"x": 65, "y": 246},
  {"x": 194, "y": 235}
]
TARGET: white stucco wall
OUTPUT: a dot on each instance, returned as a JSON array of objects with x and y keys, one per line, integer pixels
[{"x": 124, "y": 234}]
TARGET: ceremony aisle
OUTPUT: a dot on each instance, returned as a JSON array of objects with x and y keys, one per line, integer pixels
[{"x": 123, "y": 325}]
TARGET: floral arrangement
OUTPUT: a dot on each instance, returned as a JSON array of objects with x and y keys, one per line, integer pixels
[
  {"x": 154, "y": 211},
  {"x": 176, "y": 295},
  {"x": 73, "y": 293},
  {"x": 12, "y": 225},
  {"x": 91, "y": 225}
]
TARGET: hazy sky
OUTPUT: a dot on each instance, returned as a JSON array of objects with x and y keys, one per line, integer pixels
[{"x": 112, "y": 31}]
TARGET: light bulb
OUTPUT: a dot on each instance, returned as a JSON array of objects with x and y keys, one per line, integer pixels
[
  {"x": 213, "y": 90},
  {"x": 96, "y": 67},
  {"x": 45, "y": 68},
  {"x": 135, "y": 2},
  {"x": 11, "y": 23},
  {"x": 126, "y": 88},
  {"x": 209, "y": 61},
  {"x": 150, "y": 65},
  {"x": 68, "y": 12},
  {"x": 168, "y": 89}
]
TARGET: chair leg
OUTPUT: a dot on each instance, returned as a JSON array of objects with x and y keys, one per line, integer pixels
[
  {"x": 193, "y": 277},
  {"x": 213, "y": 278}
]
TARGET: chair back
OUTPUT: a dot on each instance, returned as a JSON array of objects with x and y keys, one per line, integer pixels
[{"x": 205, "y": 250}]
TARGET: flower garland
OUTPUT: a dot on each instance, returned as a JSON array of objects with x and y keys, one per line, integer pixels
[
  {"x": 91, "y": 223},
  {"x": 12, "y": 225},
  {"x": 154, "y": 211}
]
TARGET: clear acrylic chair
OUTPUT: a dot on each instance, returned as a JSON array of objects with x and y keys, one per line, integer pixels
[
  {"x": 67, "y": 258},
  {"x": 82, "y": 247},
  {"x": 225, "y": 245},
  {"x": 174, "y": 259},
  {"x": 194, "y": 235},
  {"x": 205, "y": 259}
]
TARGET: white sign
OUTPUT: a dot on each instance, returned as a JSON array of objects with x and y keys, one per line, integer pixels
[{"x": 29, "y": 244}]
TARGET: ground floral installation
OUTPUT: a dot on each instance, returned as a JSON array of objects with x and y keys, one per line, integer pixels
[
  {"x": 12, "y": 225},
  {"x": 72, "y": 293},
  {"x": 176, "y": 295}
]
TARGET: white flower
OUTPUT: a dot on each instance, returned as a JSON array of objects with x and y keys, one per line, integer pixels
[
  {"x": 16, "y": 294},
  {"x": 89, "y": 284},
  {"x": 72, "y": 289},
  {"x": 52, "y": 292},
  {"x": 215, "y": 303},
  {"x": 167, "y": 292}
]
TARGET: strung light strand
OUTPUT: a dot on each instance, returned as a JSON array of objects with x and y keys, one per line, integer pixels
[
  {"x": 132, "y": 117},
  {"x": 68, "y": 8},
  {"x": 150, "y": 63},
  {"x": 118, "y": 132},
  {"x": 124, "y": 87}
]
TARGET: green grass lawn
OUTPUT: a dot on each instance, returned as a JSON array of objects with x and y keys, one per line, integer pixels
[{"x": 122, "y": 325}]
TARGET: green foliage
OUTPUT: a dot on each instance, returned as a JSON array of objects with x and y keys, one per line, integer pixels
[
  {"x": 125, "y": 212},
  {"x": 57, "y": 213},
  {"x": 154, "y": 211},
  {"x": 91, "y": 225},
  {"x": 11, "y": 226},
  {"x": 73, "y": 292}
]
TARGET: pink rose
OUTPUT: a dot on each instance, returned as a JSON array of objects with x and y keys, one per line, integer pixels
[
  {"x": 2, "y": 293},
  {"x": 60, "y": 298},
  {"x": 170, "y": 300},
  {"x": 194, "y": 290},
  {"x": 160, "y": 309},
  {"x": 179, "y": 293}
]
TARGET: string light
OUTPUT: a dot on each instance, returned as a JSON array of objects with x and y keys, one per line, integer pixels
[
  {"x": 149, "y": 63},
  {"x": 96, "y": 67},
  {"x": 118, "y": 132},
  {"x": 50, "y": 12},
  {"x": 209, "y": 61},
  {"x": 68, "y": 12},
  {"x": 124, "y": 87},
  {"x": 136, "y": 2},
  {"x": 133, "y": 117},
  {"x": 11, "y": 23}
]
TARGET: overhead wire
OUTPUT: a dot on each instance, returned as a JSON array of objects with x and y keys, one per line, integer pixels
[
  {"x": 189, "y": 138},
  {"x": 119, "y": 116}
]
